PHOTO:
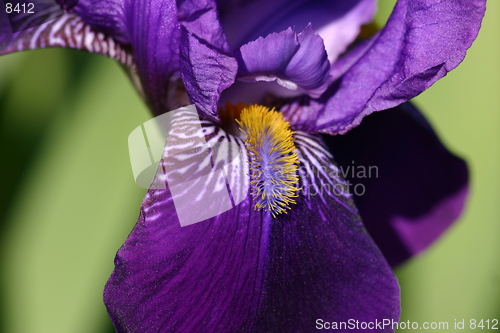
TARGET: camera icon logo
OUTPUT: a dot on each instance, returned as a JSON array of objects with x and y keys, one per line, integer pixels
[{"x": 205, "y": 178}]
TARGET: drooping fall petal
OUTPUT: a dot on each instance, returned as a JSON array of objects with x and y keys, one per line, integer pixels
[
  {"x": 416, "y": 188},
  {"x": 107, "y": 16},
  {"x": 207, "y": 65},
  {"x": 243, "y": 270}
]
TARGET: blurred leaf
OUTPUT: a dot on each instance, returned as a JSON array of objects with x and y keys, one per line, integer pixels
[{"x": 75, "y": 208}]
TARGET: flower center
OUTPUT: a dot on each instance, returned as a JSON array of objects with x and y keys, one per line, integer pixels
[{"x": 272, "y": 157}]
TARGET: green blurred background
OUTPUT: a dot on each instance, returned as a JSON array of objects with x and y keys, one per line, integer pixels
[{"x": 68, "y": 198}]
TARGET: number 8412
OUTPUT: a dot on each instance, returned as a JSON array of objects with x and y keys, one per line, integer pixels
[{"x": 25, "y": 8}]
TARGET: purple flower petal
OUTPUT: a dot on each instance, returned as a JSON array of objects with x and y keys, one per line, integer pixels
[
  {"x": 154, "y": 33},
  {"x": 296, "y": 62},
  {"x": 337, "y": 21},
  {"x": 152, "y": 30},
  {"x": 243, "y": 271},
  {"x": 419, "y": 188},
  {"x": 268, "y": 55},
  {"x": 170, "y": 278},
  {"x": 207, "y": 65},
  {"x": 422, "y": 41},
  {"x": 67, "y": 31},
  {"x": 107, "y": 16}
]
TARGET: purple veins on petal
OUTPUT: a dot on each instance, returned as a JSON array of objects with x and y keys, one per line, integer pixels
[
  {"x": 420, "y": 188},
  {"x": 297, "y": 62},
  {"x": 244, "y": 271},
  {"x": 422, "y": 41}
]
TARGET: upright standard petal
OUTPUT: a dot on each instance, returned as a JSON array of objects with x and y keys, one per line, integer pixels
[
  {"x": 152, "y": 30},
  {"x": 243, "y": 271},
  {"x": 413, "y": 187},
  {"x": 297, "y": 62},
  {"x": 207, "y": 65},
  {"x": 337, "y": 22},
  {"x": 322, "y": 264},
  {"x": 422, "y": 41}
]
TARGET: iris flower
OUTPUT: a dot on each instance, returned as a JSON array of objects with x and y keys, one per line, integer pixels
[{"x": 284, "y": 85}]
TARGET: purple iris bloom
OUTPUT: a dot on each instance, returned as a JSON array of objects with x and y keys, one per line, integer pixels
[{"x": 294, "y": 251}]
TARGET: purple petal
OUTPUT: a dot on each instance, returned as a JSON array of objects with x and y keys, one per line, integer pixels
[
  {"x": 67, "y": 31},
  {"x": 107, "y": 16},
  {"x": 149, "y": 27},
  {"x": 323, "y": 264},
  {"x": 418, "y": 188},
  {"x": 170, "y": 278},
  {"x": 207, "y": 65},
  {"x": 154, "y": 33},
  {"x": 243, "y": 271},
  {"x": 296, "y": 62},
  {"x": 268, "y": 55},
  {"x": 337, "y": 21},
  {"x": 422, "y": 41},
  {"x": 152, "y": 30}
]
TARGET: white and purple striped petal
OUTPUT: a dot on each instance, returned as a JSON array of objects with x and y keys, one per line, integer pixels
[
  {"x": 142, "y": 34},
  {"x": 338, "y": 22},
  {"x": 68, "y": 31},
  {"x": 107, "y": 16}
]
